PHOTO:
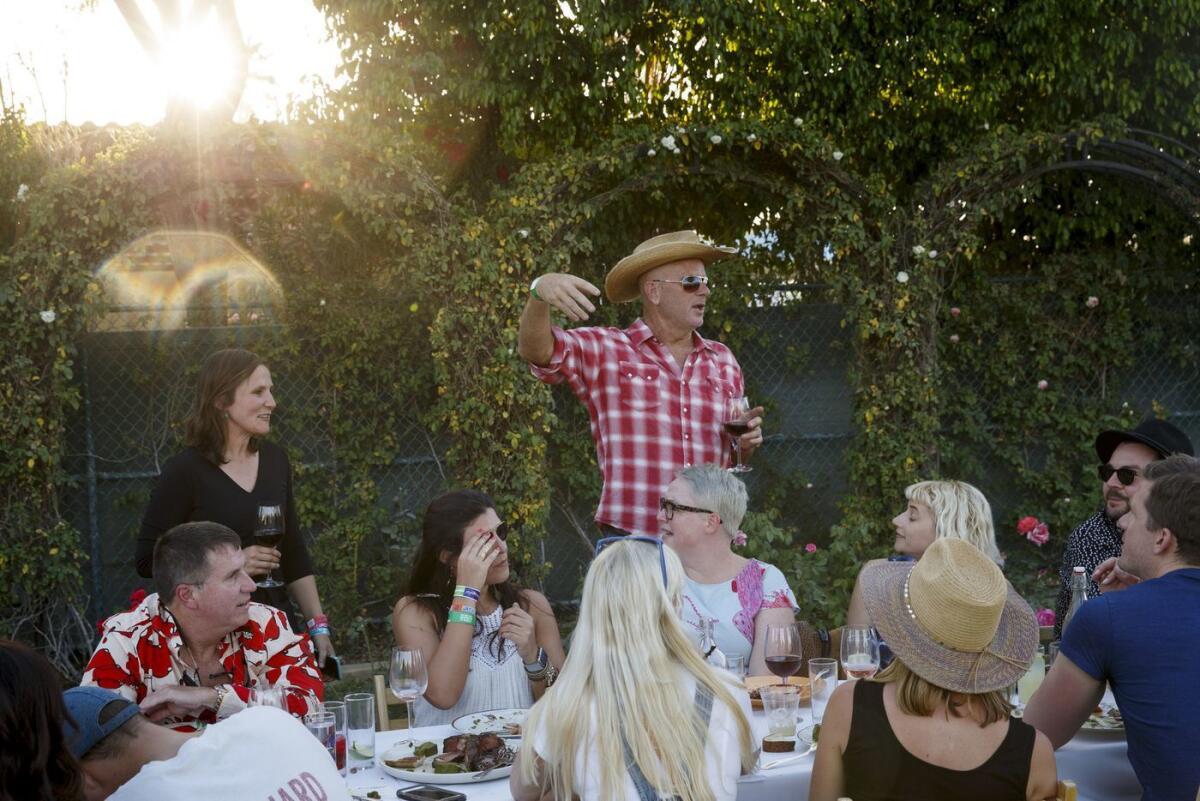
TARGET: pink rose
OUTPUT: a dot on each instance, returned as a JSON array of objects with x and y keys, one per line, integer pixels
[
  {"x": 1040, "y": 535},
  {"x": 1043, "y": 384},
  {"x": 811, "y": 547},
  {"x": 955, "y": 311},
  {"x": 954, "y": 339},
  {"x": 739, "y": 538},
  {"x": 1045, "y": 617},
  {"x": 1027, "y": 524},
  {"x": 1093, "y": 302}
]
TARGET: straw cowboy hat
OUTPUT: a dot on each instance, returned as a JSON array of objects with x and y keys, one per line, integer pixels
[
  {"x": 621, "y": 284},
  {"x": 952, "y": 618}
]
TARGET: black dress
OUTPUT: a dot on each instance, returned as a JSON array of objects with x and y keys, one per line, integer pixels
[
  {"x": 192, "y": 488},
  {"x": 878, "y": 768}
]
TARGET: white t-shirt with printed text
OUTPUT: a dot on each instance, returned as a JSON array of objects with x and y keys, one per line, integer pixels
[{"x": 259, "y": 754}]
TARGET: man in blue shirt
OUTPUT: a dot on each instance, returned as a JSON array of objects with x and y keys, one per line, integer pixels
[{"x": 1143, "y": 641}]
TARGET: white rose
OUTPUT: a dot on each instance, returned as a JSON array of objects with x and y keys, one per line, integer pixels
[
  {"x": 22, "y": 192},
  {"x": 523, "y": 233},
  {"x": 837, "y": 155},
  {"x": 797, "y": 122},
  {"x": 715, "y": 139},
  {"x": 751, "y": 138},
  {"x": 668, "y": 142},
  {"x": 918, "y": 250},
  {"x": 933, "y": 254},
  {"x": 650, "y": 152},
  {"x": 902, "y": 277},
  {"x": 48, "y": 316}
]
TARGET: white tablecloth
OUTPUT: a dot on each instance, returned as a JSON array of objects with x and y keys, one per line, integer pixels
[{"x": 1096, "y": 762}]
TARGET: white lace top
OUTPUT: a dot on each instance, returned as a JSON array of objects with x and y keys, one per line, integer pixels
[{"x": 493, "y": 682}]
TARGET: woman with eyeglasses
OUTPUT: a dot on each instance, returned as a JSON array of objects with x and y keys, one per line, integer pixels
[
  {"x": 935, "y": 509},
  {"x": 637, "y": 714},
  {"x": 699, "y": 518},
  {"x": 487, "y": 643}
]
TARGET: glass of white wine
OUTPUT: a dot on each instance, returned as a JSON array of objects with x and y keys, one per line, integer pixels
[{"x": 860, "y": 652}]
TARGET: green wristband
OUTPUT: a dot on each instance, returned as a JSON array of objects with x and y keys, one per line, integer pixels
[
  {"x": 462, "y": 617},
  {"x": 533, "y": 289}
]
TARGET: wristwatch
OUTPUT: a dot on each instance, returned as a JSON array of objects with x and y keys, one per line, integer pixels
[{"x": 538, "y": 665}]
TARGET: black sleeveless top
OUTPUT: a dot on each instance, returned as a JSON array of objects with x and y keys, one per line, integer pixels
[{"x": 878, "y": 768}]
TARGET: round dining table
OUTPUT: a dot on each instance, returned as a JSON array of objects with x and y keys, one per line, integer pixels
[{"x": 1095, "y": 761}]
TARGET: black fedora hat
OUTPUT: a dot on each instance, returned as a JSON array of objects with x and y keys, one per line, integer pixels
[{"x": 1158, "y": 435}]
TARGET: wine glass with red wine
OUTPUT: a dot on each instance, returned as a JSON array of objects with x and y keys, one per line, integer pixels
[
  {"x": 268, "y": 531},
  {"x": 783, "y": 650},
  {"x": 736, "y": 423}
]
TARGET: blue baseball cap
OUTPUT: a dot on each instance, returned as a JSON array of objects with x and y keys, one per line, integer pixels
[{"x": 93, "y": 713}]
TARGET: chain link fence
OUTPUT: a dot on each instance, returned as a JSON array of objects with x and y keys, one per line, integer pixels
[{"x": 136, "y": 387}]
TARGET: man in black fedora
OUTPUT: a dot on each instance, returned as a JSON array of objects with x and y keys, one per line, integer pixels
[{"x": 1123, "y": 455}]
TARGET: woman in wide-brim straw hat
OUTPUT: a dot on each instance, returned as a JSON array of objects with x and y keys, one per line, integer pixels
[{"x": 936, "y": 722}]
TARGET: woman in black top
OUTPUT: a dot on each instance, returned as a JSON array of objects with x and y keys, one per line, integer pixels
[
  {"x": 935, "y": 723},
  {"x": 226, "y": 473}
]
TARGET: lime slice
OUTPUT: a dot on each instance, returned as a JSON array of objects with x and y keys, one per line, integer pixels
[{"x": 363, "y": 750}]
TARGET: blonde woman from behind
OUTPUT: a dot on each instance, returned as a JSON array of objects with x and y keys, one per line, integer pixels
[
  {"x": 636, "y": 713},
  {"x": 933, "y": 510}
]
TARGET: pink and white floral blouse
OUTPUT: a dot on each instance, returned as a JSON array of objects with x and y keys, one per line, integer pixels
[{"x": 735, "y": 604}]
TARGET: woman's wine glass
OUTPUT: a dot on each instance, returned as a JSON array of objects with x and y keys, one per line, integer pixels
[
  {"x": 736, "y": 423},
  {"x": 268, "y": 531},
  {"x": 408, "y": 678},
  {"x": 782, "y": 650},
  {"x": 860, "y": 652}
]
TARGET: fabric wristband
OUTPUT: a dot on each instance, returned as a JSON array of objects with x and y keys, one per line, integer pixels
[
  {"x": 316, "y": 631},
  {"x": 462, "y": 605},
  {"x": 463, "y": 591},
  {"x": 462, "y": 617}
]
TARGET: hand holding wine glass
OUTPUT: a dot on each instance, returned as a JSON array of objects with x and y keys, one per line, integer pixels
[
  {"x": 408, "y": 677},
  {"x": 268, "y": 532},
  {"x": 782, "y": 650},
  {"x": 860, "y": 652}
]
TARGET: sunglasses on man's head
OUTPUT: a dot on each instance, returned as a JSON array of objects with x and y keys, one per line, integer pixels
[
  {"x": 690, "y": 283},
  {"x": 662, "y": 557},
  {"x": 1126, "y": 475}
]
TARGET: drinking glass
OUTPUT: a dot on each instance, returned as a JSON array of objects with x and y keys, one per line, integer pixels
[
  {"x": 408, "y": 678},
  {"x": 268, "y": 531},
  {"x": 338, "y": 710},
  {"x": 322, "y": 726},
  {"x": 860, "y": 652},
  {"x": 360, "y": 730},
  {"x": 736, "y": 664},
  {"x": 782, "y": 705},
  {"x": 1028, "y": 684},
  {"x": 783, "y": 650},
  {"x": 267, "y": 696},
  {"x": 822, "y": 673},
  {"x": 736, "y": 423}
]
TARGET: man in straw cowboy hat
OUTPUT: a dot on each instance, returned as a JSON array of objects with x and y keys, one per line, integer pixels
[
  {"x": 1144, "y": 640},
  {"x": 1123, "y": 455},
  {"x": 656, "y": 392},
  {"x": 936, "y": 722}
]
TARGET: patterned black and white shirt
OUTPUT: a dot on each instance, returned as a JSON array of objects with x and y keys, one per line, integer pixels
[{"x": 1095, "y": 540}]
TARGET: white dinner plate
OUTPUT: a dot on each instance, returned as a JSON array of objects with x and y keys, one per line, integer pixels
[
  {"x": 1107, "y": 721},
  {"x": 491, "y": 720},
  {"x": 405, "y": 748}
]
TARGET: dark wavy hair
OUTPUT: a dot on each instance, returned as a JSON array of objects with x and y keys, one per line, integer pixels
[
  {"x": 35, "y": 762},
  {"x": 431, "y": 584},
  {"x": 222, "y": 372}
]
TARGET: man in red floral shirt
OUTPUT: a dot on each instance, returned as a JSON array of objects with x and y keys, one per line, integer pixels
[
  {"x": 656, "y": 392},
  {"x": 194, "y": 657}
]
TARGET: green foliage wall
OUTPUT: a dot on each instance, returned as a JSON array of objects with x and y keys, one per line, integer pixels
[{"x": 475, "y": 147}]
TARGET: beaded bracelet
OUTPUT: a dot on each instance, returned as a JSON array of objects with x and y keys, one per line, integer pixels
[
  {"x": 463, "y": 591},
  {"x": 462, "y": 617}
]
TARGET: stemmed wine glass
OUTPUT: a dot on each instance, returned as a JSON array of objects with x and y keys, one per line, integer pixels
[
  {"x": 268, "y": 531},
  {"x": 408, "y": 678},
  {"x": 736, "y": 423},
  {"x": 860, "y": 652},
  {"x": 783, "y": 650}
]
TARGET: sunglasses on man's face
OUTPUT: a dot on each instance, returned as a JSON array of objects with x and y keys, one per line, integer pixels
[
  {"x": 690, "y": 283},
  {"x": 662, "y": 557},
  {"x": 1126, "y": 475}
]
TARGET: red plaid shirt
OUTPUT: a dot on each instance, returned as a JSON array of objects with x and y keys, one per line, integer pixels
[
  {"x": 140, "y": 651},
  {"x": 649, "y": 417}
]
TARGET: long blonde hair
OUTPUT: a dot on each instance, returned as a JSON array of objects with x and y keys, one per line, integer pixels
[
  {"x": 959, "y": 510},
  {"x": 621, "y": 678}
]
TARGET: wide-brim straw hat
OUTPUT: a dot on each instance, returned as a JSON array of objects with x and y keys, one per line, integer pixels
[
  {"x": 952, "y": 618},
  {"x": 621, "y": 283}
]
